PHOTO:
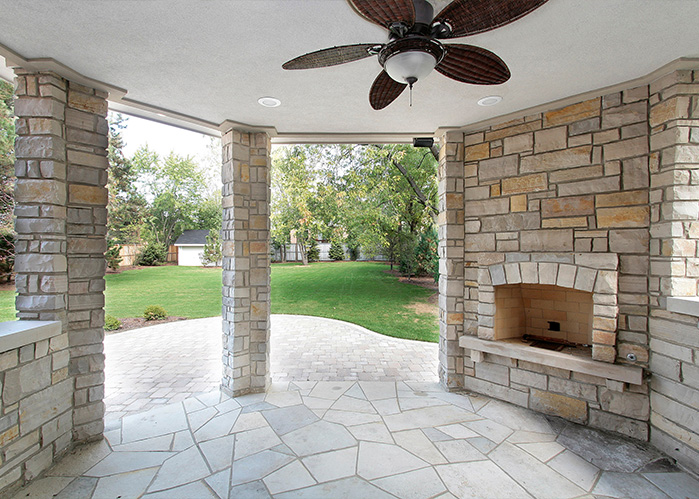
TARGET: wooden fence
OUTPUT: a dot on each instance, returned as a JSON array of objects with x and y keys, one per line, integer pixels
[{"x": 129, "y": 254}]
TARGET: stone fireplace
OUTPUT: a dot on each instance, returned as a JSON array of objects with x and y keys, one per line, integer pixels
[
  {"x": 553, "y": 224},
  {"x": 579, "y": 223}
]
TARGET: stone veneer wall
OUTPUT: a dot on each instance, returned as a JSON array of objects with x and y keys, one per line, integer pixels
[
  {"x": 610, "y": 185},
  {"x": 53, "y": 389},
  {"x": 246, "y": 262},
  {"x": 563, "y": 195},
  {"x": 674, "y": 198}
]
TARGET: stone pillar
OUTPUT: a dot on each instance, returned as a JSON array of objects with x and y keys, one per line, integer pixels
[
  {"x": 86, "y": 148},
  {"x": 451, "y": 259},
  {"x": 61, "y": 198},
  {"x": 674, "y": 196},
  {"x": 246, "y": 262}
]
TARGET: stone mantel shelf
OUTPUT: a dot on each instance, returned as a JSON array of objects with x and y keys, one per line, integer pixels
[
  {"x": 16, "y": 334},
  {"x": 626, "y": 374}
]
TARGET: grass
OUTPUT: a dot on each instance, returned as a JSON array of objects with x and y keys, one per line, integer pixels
[
  {"x": 357, "y": 292},
  {"x": 191, "y": 292},
  {"x": 7, "y": 304}
]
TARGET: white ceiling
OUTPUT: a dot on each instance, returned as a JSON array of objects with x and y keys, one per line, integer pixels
[{"x": 212, "y": 59}]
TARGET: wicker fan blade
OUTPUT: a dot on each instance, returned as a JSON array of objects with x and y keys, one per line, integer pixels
[
  {"x": 330, "y": 57},
  {"x": 386, "y": 12},
  {"x": 468, "y": 17},
  {"x": 475, "y": 65},
  {"x": 384, "y": 90}
]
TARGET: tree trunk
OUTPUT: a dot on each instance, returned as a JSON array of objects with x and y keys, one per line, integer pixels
[{"x": 304, "y": 254}]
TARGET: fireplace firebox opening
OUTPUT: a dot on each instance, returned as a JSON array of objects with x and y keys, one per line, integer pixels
[{"x": 543, "y": 314}]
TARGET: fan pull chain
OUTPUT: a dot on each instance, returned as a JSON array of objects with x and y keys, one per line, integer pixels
[{"x": 410, "y": 81}]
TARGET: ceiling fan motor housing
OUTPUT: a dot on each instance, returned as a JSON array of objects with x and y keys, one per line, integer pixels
[{"x": 409, "y": 59}]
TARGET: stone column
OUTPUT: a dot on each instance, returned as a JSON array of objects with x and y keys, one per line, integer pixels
[
  {"x": 61, "y": 198},
  {"x": 674, "y": 195},
  {"x": 451, "y": 259},
  {"x": 86, "y": 148},
  {"x": 246, "y": 262}
]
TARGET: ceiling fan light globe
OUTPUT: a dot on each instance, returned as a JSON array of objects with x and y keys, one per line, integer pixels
[{"x": 408, "y": 66}]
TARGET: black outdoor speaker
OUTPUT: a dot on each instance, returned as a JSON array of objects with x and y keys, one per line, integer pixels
[{"x": 423, "y": 142}]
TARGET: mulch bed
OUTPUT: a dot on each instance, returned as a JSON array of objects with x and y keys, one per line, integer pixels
[
  {"x": 138, "y": 322},
  {"x": 137, "y": 267},
  {"x": 423, "y": 282}
]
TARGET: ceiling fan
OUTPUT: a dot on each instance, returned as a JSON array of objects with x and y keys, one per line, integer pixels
[{"x": 414, "y": 48}]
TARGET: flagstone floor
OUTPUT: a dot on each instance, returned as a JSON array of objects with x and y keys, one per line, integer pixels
[{"x": 339, "y": 438}]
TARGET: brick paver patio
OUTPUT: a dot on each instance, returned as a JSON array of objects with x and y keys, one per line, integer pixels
[{"x": 167, "y": 363}]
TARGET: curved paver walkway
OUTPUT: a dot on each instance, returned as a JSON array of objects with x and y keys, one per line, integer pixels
[
  {"x": 346, "y": 439},
  {"x": 316, "y": 349},
  {"x": 167, "y": 363}
]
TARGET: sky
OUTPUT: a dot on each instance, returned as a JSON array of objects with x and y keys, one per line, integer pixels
[{"x": 164, "y": 139}]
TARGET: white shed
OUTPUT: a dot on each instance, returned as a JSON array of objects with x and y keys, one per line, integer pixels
[{"x": 190, "y": 247}]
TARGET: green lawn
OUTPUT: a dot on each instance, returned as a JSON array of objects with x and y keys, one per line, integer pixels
[
  {"x": 7, "y": 305},
  {"x": 357, "y": 292},
  {"x": 191, "y": 292}
]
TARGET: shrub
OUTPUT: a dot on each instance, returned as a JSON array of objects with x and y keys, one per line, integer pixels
[
  {"x": 354, "y": 252},
  {"x": 112, "y": 254},
  {"x": 154, "y": 312},
  {"x": 111, "y": 323},
  {"x": 154, "y": 254},
  {"x": 336, "y": 252},
  {"x": 406, "y": 255},
  {"x": 7, "y": 255},
  {"x": 426, "y": 257},
  {"x": 213, "y": 253},
  {"x": 313, "y": 252}
]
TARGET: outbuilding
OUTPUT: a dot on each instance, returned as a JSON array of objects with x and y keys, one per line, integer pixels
[{"x": 190, "y": 247}]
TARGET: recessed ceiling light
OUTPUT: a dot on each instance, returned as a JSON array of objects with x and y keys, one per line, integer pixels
[
  {"x": 269, "y": 102},
  {"x": 491, "y": 100}
]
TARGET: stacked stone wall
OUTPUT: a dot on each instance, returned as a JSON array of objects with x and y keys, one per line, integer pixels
[
  {"x": 61, "y": 214},
  {"x": 604, "y": 189},
  {"x": 562, "y": 198},
  {"x": 674, "y": 331},
  {"x": 36, "y": 421}
]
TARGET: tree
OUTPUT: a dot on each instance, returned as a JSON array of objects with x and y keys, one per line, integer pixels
[
  {"x": 126, "y": 207},
  {"x": 213, "y": 253},
  {"x": 7, "y": 180},
  {"x": 377, "y": 198},
  {"x": 295, "y": 198},
  {"x": 313, "y": 252},
  {"x": 336, "y": 252},
  {"x": 112, "y": 255},
  {"x": 209, "y": 214},
  {"x": 392, "y": 192},
  {"x": 174, "y": 188}
]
